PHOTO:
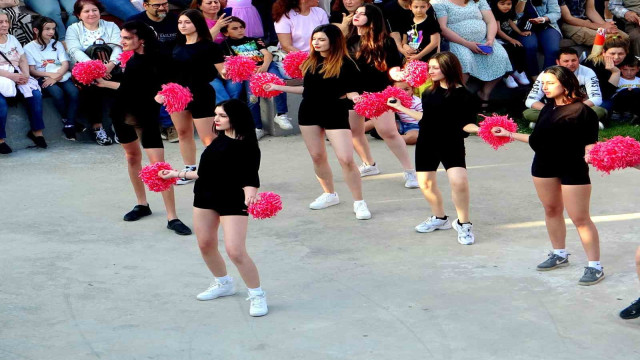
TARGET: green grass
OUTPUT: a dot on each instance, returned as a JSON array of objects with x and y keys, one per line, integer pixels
[{"x": 621, "y": 129}]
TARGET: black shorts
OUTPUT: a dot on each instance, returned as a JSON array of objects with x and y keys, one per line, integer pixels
[
  {"x": 326, "y": 116},
  {"x": 127, "y": 129},
  {"x": 575, "y": 172},
  {"x": 229, "y": 203},
  {"x": 429, "y": 155},
  {"x": 203, "y": 104}
]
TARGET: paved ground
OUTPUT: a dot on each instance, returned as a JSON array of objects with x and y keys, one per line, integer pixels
[{"x": 79, "y": 283}]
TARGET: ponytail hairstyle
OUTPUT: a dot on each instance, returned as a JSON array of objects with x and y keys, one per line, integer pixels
[
  {"x": 39, "y": 24},
  {"x": 450, "y": 68},
  {"x": 569, "y": 81},
  {"x": 332, "y": 64},
  {"x": 372, "y": 38},
  {"x": 143, "y": 32},
  {"x": 610, "y": 42},
  {"x": 240, "y": 120}
]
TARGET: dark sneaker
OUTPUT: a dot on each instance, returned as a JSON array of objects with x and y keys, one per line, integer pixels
[
  {"x": 69, "y": 132},
  {"x": 101, "y": 137},
  {"x": 632, "y": 311},
  {"x": 5, "y": 149},
  {"x": 591, "y": 276},
  {"x": 139, "y": 211},
  {"x": 37, "y": 140},
  {"x": 553, "y": 262},
  {"x": 178, "y": 227}
]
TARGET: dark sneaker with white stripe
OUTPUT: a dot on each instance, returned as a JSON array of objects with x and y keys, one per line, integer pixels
[
  {"x": 632, "y": 311},
  {"x": 591, "y": 276},
  {"x": 553, "y": 262}
]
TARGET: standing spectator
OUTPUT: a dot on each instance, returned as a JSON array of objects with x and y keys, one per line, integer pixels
[
  {"x": 342, "y": 13},
  {"x": 91, "y": 30},
  {"x": 628, "y": 11},
  {"x": 51, "y": 9},
  {"x": 295, "y": 21},
  {"x": 399, "y": 18},
  {"x": 249, "y": 14},
  {"x": 580, "y": 21},
  {"x": 541, "y": 18},
  {"x": 20, "y": 23}
]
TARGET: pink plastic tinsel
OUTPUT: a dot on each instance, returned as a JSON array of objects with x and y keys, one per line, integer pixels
[
  {"x": 292, "y": 62},
  {"x": 258, "y": 81},
  {"x": 149, "y": 176},
  {"x": 268, "y": 206},
  {"x": 124, "y": 57},
  {"x": 416, "y": 72},
  {"x": 89, "y": 71},
  {"x": 396, "y": 74},
  {"x": 176, "y": 97},
  {"x": 616, "y": 153},
  {"x": 239, "y": 68},
  {"x": 394, "y": 92},
  {"x": 371, "y": 105},
  {"x": 489, "y": 123}
]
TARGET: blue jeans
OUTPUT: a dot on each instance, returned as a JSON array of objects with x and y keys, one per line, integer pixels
[
  {"x": 34, "y": 111},
  {"x": 221, "y": 90},
  {"x": 549, "y": 40},
  {"x": 51, "y": 8},
  {"x": 165, "y": 118},
  {"x": 122, "y": 9},
  {"x": 65, "y": 98}
]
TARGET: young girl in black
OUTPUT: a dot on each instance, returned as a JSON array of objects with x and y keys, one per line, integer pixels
[
  {"x": 422, "y": 40},
  {"x": 135, "y": 115},
  {"x": 565, "y": 131},
  {"x": 505, "y": 15},
  {"x": 449, "y": 116},
  {"x": 226, "y": 184},
  {"x": 330, "y": 77}
]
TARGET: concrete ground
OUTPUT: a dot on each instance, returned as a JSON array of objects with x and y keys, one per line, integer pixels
[{"x": 77, "y": 282}]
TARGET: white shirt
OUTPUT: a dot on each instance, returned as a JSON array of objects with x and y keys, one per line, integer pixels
[
  {"x": 43, "y": 58},
  {"x": 300, "y": 26},
  {"x": 586, "y": 78},
  {"x": 625, "y": 84},
  {"x": 12, "y": 50}
]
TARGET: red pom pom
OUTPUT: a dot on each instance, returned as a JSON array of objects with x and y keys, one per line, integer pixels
[
  {"x": 416, "y": 72},
  {"x": 397, "y": 74},
  {"x": 239, "y": 68},
  {"x": 124, "y": 57},
  {"x": 292, "y": 62},
  {"x": 489, "y": 123},
  {"x": 89, "y": 71},
  {"x": 176, "y": 97},
  {"x": 258, "y": 81},
  {"x": 268, "y": 206},
  {"x": 393, "y": 92},
  {"x": 616, "y": 153},
  {"x": 371, "y": 105},
  {"x": 149, "y": 176}
]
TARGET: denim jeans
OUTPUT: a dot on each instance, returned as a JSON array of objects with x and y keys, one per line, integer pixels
[
  {"x": 221, "y": 90},
  {"x": 122, "y": 9},
  {"x": 65, "y": 98},
  {"x": 549, "y": 40},
  {"x": 34, "y": 111},
  {"x": 51, "y": 8},
  {"x": 165, "y": 118}
]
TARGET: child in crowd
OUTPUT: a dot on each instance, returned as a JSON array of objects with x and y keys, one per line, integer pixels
[
  {"x": 236, "y": 43},
  {"x": 505, "y": 14},
  {"x": 423, "y": 39},
  {"x": 408, "y": 126},
  {"x": 629, "y": 84}
]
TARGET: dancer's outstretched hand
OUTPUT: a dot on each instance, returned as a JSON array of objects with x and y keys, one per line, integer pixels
[{"x": 499, "y": 131}]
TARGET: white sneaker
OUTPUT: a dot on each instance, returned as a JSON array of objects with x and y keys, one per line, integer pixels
[
  {"x": 410, "y": 179},
  {"x": 258, "y": 305},
  {"x": 367, "y": 170},
  {"x": 433, "y": 224},
  {"x": 216, "y": 290},
  {"x": 361, "y": 210},
  {"x": 511, "y": 84},
  {"x": 465, "y": 236},
  {"x": 600, "y": 125},
  {"x": 184, "y": 181},
  {"x": 283, "y": 122},
  {"x": 521, "y": 78},
  {"x": 532, "y": 125},
  {"x": 324, "y": 201},
  {"x": 259, "y": 133}
]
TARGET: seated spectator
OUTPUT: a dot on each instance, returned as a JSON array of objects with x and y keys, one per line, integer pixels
[
  {"x": 51, "y": 9},
  {"x": 505, "y": 16},
  {"x": 625, "y": 101},
  {"x": 407, "y": 126},
  {"x": 567, "y": 57},
  {"x": 423, "y": 38},
  {"x": 49, "y": 63},
  {"x": 237, "y": 43},
  {"x": 249, "y": 14},
  {"x": 580, "y": 21},
  {"x": 342, "y": 13},
  {"x": 20, "y": 23},
  {"x": 399, "y": 18},
  {"x": 213, "y": 12},
  {"x": 82, "y": 36},
  {"x": 628, "y": 11},
  {"x": 467, "y": 24},
  {"x": 14, "y": 72},
  {"x": 540, "y": 17},
  {"x": 122, "y": 9},
  {"x": 294, "y": 23}
]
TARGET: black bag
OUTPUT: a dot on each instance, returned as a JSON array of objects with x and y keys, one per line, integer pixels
[
  {"x": 530, "y": 12},
  {"x": 100, "y": 50}
]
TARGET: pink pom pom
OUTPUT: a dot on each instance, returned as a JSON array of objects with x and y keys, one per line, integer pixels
[
  {"x": 176, "y": 97},
  {"x": 89, "y": 71},
  {"x": 371, "y": 105},
  {"x": 489, "y": 123},
  {"x": 397, "y": 74},
  {"x": 258, "y": 81},
  {"x": 416, "y": 72},
  {"x": 393, "y": 92},
  {"x": 292, "y": 62},
  {"x": 239, "y": 68},
  {"x": 124, "y": 57},
  {"x": 268, "y": 206},
  {"x": 616, "y": 153},
  {"x": 149, "y": 176}
]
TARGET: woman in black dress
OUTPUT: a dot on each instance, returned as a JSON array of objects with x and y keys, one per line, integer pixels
[{"x": 565, "y": 131}]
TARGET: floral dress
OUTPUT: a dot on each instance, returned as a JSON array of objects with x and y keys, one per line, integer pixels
[{"x": 467, "y": 22}]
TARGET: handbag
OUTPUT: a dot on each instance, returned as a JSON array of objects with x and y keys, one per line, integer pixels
[
  {"x": 100, "y": 50},
  {"x": 8, "y": 87}
]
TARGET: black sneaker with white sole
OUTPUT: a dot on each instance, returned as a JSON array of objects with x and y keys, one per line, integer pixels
[
  {"x": 591, "y": 276},
  {"x": 632, "y": 311},
  {"x": 554, "y": 261}
]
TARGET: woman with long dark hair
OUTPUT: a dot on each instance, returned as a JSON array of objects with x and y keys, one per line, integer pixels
[
  {"x": 227, "y": 183},
  {"x": 565, "y": 131}
]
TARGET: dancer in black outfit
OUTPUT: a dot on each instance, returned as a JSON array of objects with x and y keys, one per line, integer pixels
[
  {"x": 330, "y": 80},
  {"x": 135, "y": 115},
  {"x": 565, "y": 131},
  {"x": 227, "y": 183}
]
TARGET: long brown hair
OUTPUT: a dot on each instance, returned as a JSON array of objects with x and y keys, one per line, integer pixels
[
  {"x": 450, "y": 68},
  {"x": 337, "y": 53},
  {"x": 372, "y": 38},
  {"x": 282, "y": 7},
  {"x": 568, "y": 80},
  {"x": 610, "y": 42}
]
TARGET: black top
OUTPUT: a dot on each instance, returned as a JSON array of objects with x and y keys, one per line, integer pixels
[
  {"x": 193, "y": 64},
  {"x": 228, "y": 164},
  {"x": 421, "y": 33},
  {"x": 325, "y": 92},
  {"x": 398, "y": 18},
  {"x": 445, "y": 114},
  {"x": 167, "y": 29},
  {"x": 562, "y": 132},
  {"x": 608, "y": 89},
  {"x": 141, "y": 81},
  {"x": 337, "y": 16},
  {"x": 247, "y": 46},
  {"x": 372, "y": 79}
]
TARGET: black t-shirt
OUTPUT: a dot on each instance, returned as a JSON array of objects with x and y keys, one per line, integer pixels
[
  {"x": 420, "y": 34},
  {"x": 398, "y": 18},
  {"x": 372, "y": 79},
  {"x": 445, "y": 114},
  {"x": 193, "y": 64},
  {"x": 141, "y": 81},
  {"x": 608, "y": 89},
  {"x": 167, "y": 29},
  {"x": 327, "y": 92},
  {"x": 336, "y": 16},
  {"x": 247, "y": 46},
  {"x": 562, "y": 132}
]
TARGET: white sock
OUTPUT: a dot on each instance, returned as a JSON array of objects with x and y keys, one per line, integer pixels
[
  {"x": 595, "y": 264},
  {"x": 256, "y": 291},
  {"x": 192, "y": 167},
  {"x": 224, "y": 279},
  {"x": 358, "y": 202},
  {"x": 560, "y": 252}
]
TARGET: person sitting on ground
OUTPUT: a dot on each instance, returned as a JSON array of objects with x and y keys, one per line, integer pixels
[
  {"x": 408, "y": 126},
  {"x": 625, "y": 101},
  {"x": 580, "y": 21},
  {"x": 628, "y": 11},
  {"x": 567, "y": 57}
]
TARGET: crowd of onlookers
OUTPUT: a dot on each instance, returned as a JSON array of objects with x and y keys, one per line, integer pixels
[{"x": 495, "y": 41}]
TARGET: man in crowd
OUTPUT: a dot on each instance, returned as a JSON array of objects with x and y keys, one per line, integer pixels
[{"x": 580, "y": 21}]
